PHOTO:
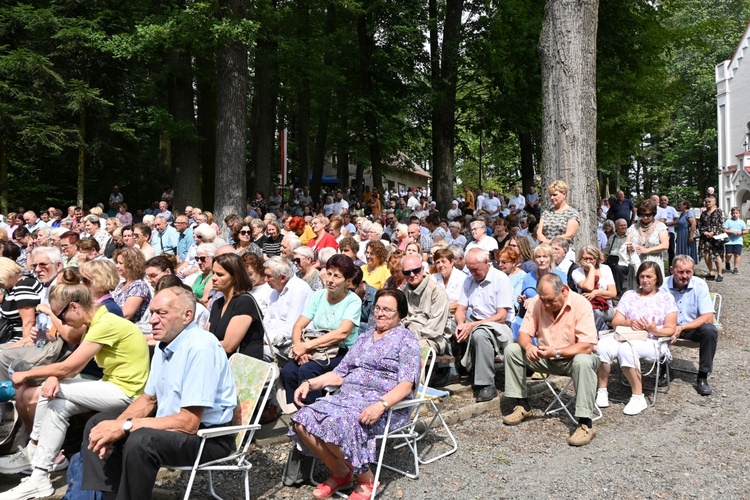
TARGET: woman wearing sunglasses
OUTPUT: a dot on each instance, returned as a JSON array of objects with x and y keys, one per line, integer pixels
[
  {"x": 242, "y": 235},
  {"x": 648, "y": 237},
  {"x": 202, "y": 286}
]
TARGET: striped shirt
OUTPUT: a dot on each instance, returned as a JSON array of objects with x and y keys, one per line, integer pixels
[{"x": 26, "y": 293}]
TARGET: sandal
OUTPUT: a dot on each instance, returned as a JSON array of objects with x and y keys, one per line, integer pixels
[
  {"x": 356, "y": 495},
  {"x": 325, "y": 490}
]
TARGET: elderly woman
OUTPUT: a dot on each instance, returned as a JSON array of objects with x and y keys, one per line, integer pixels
[
  {"x": 563, "y": 220},
  {"x": 132, "y": 294},
  {"x": 272, "y": 244},
  {"x": 648, "y": 238},
  {"x": 92, "y": 226},
  {"x": 118, "y": 347},
  {"x": 454, "y": 212},
  {"x": 328, "y": 207},
  {"x": 648, "y": 308},
  {"x": 260, "y": 290},
  {"x": 380, "y": 370},
  {"x": 110, "y": 226},
  {"x": 685, "y": 231},
  {"x": 22, "y": 295},
  {"x": 455, "y": 237},
  {"x": 304, "y": 259},
  {"x": 596, "y": 282},
  {"x": 710, "y": 225},
  {"x": 203, "y": 286},
  {"x": 258, "y": 232},
  {"x": 375, "y": 270},
  {"x": 450, "y": 278},
  {"x": 235, "y": 319},
  {"x": 401, "y": 236},
  {"x": 331, "y": 318},
  {"x": 322, "y": 238},
  {"x": 350, "y": 247},
  {"x": 507, "y": 262}
]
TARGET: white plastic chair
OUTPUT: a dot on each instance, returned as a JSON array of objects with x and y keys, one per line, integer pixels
[{"x": 254, "y": 379}]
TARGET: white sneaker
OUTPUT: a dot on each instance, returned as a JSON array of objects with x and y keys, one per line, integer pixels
[
  {"x": 30, "y": 488},
  {"x": 602, "y": 398},
  {"x": 13, "y": 464},
  {"x": 636, "y": 405}
]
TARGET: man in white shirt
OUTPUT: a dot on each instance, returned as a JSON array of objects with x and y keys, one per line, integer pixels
[
  {"x": 289, "y": 294},
  {"x": 481, "y": 240},
  {"x": 341, "y": 206},
  {"x": 517, "y": 203},
  {"x": 413, "y": 202},
  {"x": 492, "y": 204}
]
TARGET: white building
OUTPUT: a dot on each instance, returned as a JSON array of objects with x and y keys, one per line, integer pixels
[{"x": 733, "y": 115}]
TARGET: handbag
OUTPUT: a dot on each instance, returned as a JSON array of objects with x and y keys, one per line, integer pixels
[
  {"x": 627, "y": 334},
  {"x": 321, "y": 355},
  {"x": 297, "y": 468},
  {"x": 6, "y": 330},
  {"x": 521, "y": 307}
]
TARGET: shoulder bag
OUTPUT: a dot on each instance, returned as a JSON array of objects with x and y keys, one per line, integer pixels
[{"x": 321, "y": 355}]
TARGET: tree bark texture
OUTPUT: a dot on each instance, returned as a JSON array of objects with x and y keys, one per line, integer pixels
[
  {"x": 321, "y": 137},
  {"x": 206, "y": 99},
  {"x": 81, "y": 157},
  {"x": 186, "y": 167},
  {"x": 231, "y": 126},
  {"x": 445, "y": 80},
  {"x": 4, "y": 175},
  {"x": 264, "y": 166},
  {"x": 567, "y": 50},
  {"x": 366, "y": 42},
  {"x": 526, "y": 145}
]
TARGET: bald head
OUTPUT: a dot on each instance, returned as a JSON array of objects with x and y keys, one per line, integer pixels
[{"x": 224, "y": 249}]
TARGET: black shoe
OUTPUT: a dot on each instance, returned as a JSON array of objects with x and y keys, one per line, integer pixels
[
  {"x": 486, "y": 393},
  {"x": 663, "y": 379},
  {"x": 728, "y": 266},
  {"x": 735, "y": 271},
  {"x": 703, "y": 388},
  {"x": 709, "y": 277},
  {"x": 719, "y": 279}
]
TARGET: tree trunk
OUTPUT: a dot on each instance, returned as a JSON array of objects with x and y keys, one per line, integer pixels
[
  {"x": 186, "y": 166},
  {"x": 4, "y": 175},
  {"x": 371, "y": 123},
  {"x": 445, "y": 80},
  {"x": 303, "y": 137},
  {"x": 206, "y": 99},
  {"x": 567, "y": 51},
  {"x": 526, "y": 144},
  {"x": 263, "y": 166},
  {"x": 231, "y": 126},
  {"x": 81, "y": 157},
  {"x": 321, "y": 137}
]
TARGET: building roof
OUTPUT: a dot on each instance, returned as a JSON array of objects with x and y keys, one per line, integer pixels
[
  {"x": 401, "y": 161},
  {"x": 739, "y": 51}
]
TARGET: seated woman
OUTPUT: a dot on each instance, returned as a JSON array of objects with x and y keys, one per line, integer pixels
[
  {"x": 133, "y": 294},
  {"x": 450, "y": 278},
  {"x": 18, "y": 306},
  {"x": 379, "y": 371},
  {"x": 376, "y": 271},
  {"x": 507, "y": 260},
  {"x": 335, "y": 310},
  {"x": 203, "y": 287},
  {"x": 525, "y": 256},
  {"x": 304, "y": 258},
  {"x": 648, "y": 308},
  {"x": 118, "y": 347},
  {"x": 596, "y": 282},
  {"x": 396, "y": 279},
  {"x": 235, "y": 318}
]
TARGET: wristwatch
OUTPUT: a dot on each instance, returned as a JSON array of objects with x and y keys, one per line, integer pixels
[
  {"x": 384, "y": 403},
  {"x": 558, "y": 356},
  {"x": 127, "y": 425}
]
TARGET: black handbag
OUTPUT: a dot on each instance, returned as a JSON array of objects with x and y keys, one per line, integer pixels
[
  {"x": 6, "y": 330},
  {"x": 613, "y": 260},
  {"x": 297, "y": 468},
  {"x": 521, "y": 307}
]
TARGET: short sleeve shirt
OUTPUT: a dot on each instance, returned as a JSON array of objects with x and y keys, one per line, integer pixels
[
  {"x": 555, "y": 223},
  {"x": 485, "y": 298},
  {"x": 326, "y": 316},
  {"x": 241, "y": 305}
]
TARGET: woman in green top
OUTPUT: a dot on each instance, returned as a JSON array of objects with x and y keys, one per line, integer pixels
[
  {"x": 117, "y": 346},
  {"x": 202, "y": 286}
]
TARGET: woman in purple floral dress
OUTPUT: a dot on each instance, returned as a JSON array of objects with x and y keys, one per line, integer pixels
[{"x": 379, "y": 370}]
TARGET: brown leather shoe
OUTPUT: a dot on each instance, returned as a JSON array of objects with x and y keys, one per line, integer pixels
[
  {"x": 582, "y": 435},
  {"x": 519, "y": 415},
  {"x": 270, "y": 414}
]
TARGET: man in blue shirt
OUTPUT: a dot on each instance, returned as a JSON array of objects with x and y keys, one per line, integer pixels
[
  {"x": 166, "y": 238},
  {"x": 695, "y": 321},
  {"x": 190, "y": 387},
  {"x": 185, "y": 236}
]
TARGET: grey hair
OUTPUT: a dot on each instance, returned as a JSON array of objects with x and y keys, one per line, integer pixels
[
  {"x": 206, "y": 231},
  {"x": 559, "y": 240},
  {"x": 480, "y": 254},
  {"x": 478, "y": 223},
  {"x": 305, "y": 252},
  {"x": 608, "y": 223},
  {"x": 294, "y": 241},
  {"x": 52, "y": 253},
  {"x": 458, "y": 252},
  {"x": 279, "y": 266},
  {"x": 683, "y": 259},
  {"x": 208, "y": 248},
  {"x": 552, "y": 280},
  {"x": 324, "y": 255}
]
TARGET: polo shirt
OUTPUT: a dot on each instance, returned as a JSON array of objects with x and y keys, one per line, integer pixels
[
  {"x": 486, "y": 297},
  {"x": 693, "y": 301}
]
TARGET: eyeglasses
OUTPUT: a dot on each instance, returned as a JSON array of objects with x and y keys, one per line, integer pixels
[
  {"x": 137, "y": 235},
  {"x": 296, "y": 260},
  {"x": 199, "y": 236},
  {"x": 40, "y": 264},
  {"x": 409, "y": 272},
  {"x": 202, "y": 258},
  {"x": 384, "y": 310},
  {"x": 61, "y": 315},
  {"x": 245, "y": 233}
]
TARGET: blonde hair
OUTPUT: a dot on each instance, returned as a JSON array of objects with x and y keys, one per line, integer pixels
[
  {"x": 65, "y": 294},
  {"x": 8, "y": 271},
  {"x": 559, "y": 186},
  {"x": 546, "y": 249},
  {"x": 592, "y": 250},
  {"x": 102, "y": 273}
]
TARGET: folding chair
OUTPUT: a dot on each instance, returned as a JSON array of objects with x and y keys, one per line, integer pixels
[
  {"x": 254, "y": 380},
  {"x": 558, "y": 404},
  {"x": 656, "y": 362},
  {"x": 716, "y": 299}
]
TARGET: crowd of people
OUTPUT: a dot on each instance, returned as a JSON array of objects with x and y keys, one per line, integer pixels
[{"x": 339, "y": 292}]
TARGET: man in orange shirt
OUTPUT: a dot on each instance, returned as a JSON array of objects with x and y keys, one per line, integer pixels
[
  {"x": 468, "y": 200},
  {"x": 562, "y": 321}
]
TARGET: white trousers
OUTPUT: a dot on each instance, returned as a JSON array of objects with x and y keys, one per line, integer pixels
[
  {"x": 76, "y": 396},
  {"x": 628, "y": 354}
]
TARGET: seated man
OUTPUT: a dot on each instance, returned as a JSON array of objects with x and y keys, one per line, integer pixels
[
  {"x": 489, "y": 296},
  {"x": 289, "y": 294},
  {"x": 190, "y": 387},
  {"x": 563, "y": 324},
  {"x": 429, "y": 307},
  {"x": 695, "y": 320}
]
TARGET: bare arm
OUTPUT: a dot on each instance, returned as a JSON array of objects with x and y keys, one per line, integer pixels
[
  {"x": 131, "y": 306},
  {"x": 69, "y": 367},
  {"x": 570, "y": 229},
  {"x": 235, "y": 332},
  {"x": 28, "y": 317}
]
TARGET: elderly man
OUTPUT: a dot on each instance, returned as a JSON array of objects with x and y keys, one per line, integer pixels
[
  {"x": 481, "y": 240},
  {"x": 492, "y": 204},
  {"x": 612, "y": 249},
  {"x": 190, "y": 387},
  {"x": 563, "y": 324},
  {"x": 695, "y": 321},
  {"x": 164, "y": 212},
  {"x": 517, "y": 202},
  {"x": 488, "y": 294},
  {"x": 289, "y": 295},
  {"x": 32, "y": 222},
  {"x": 166, "y": 238},
  {"x": 415, "y": 234},
  {"x": 622, "y": 208},
  {"x": 429, "y": 306},
  {"x": 185, "y": 236}
]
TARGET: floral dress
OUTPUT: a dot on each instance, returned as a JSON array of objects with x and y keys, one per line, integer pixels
[
  {"x": 711, "y": 222},
  {"x": 370, "y": 369},
  {"x": 138, "y": 288}
]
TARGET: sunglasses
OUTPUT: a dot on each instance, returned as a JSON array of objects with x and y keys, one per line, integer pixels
[
  {"x": 202, "y": 258},
  {"x": 245, "y": 233},
  {"x": 650, "y": 214},
  {"x": 61, "y": 315},
  {"x": 409, "y": 272},
  {"x": 199, "y": 236},
  {"x": 296, "y": 260}
]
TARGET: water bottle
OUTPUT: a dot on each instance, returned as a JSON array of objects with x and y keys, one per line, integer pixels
[{"x": 41, "y": 325}]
